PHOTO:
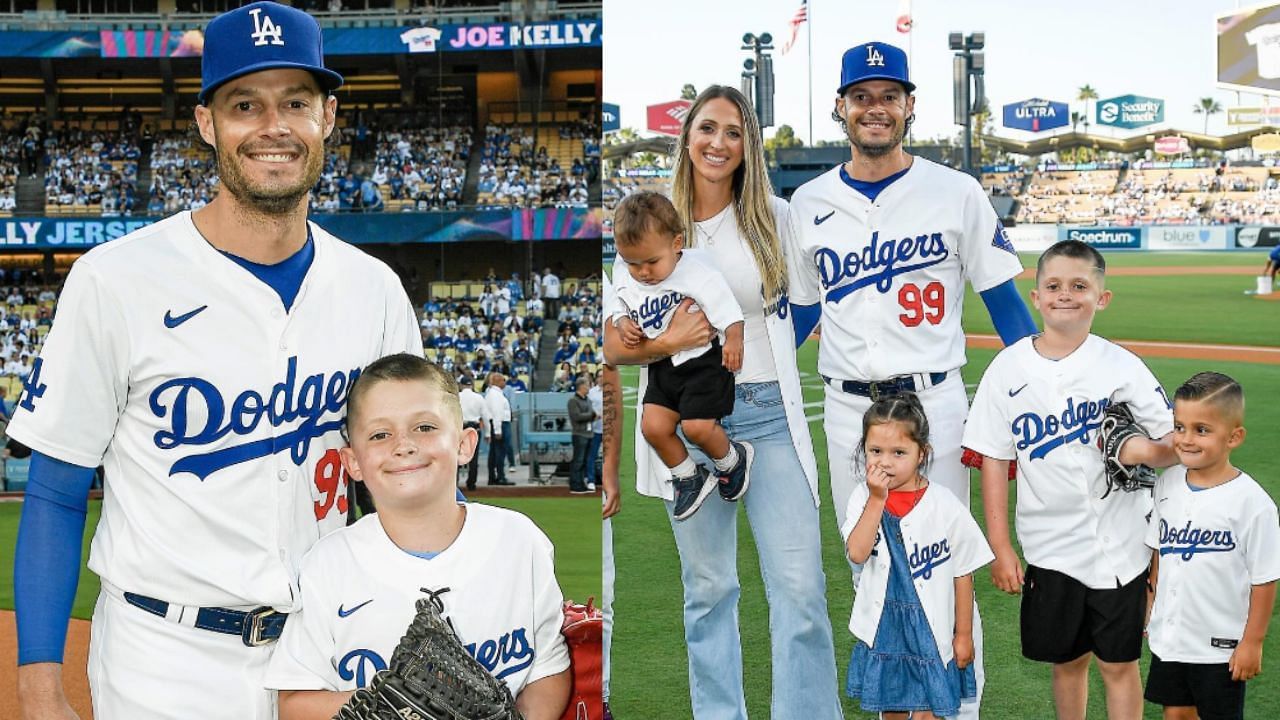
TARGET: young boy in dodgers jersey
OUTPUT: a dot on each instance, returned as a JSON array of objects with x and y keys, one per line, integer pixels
[
  {"x": 490, "y": 571},
  {"x": 885, "y": 243},
  {"x": 693, "y": 388},
  {"x": 1040, "y": 402},
  {"x": 1215, "y": 533},
  {"x": 205, "y": 361}
]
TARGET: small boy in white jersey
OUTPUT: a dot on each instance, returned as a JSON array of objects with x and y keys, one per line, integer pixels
[
  {"x": 691, "y": 389},
  {"x": 1215, "y": 532},
  {"x": 490, "y": 571},
  {"x": 1040, "y": 402}
]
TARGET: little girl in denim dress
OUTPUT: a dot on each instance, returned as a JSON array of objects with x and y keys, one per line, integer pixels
[{"x": 917, "y": 546}]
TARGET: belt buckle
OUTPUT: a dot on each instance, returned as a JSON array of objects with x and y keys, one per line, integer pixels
[
  {"x": 254, "y": 620},
  {"x": 873, "y": 390}
]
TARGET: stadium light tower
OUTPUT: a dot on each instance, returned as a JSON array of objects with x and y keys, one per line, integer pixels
[
  {"x": 968, "y": 63},
  {"x": 757, "y": 76}
]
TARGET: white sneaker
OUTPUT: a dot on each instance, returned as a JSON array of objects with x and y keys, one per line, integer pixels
[{"x": 591, "y": 487}]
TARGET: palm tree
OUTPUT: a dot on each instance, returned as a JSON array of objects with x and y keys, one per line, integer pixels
[
  {"x": 1085, "y": 94},
  {"x": 1207, "y": 106},
  {"x": 1075, "y": 120}
]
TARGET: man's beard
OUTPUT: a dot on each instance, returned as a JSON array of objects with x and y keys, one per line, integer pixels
[
  {"x": 270, "y": 199},
  {"x": 878, "y": 149}
]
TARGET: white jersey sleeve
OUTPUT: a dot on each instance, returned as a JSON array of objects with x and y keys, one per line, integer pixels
[
  {"x": 72, "y": 400},
  {"x": 548, "y": 611},
  {"x": 1146, "y": 397},
  {"x": 988, "y": 256},
  {"x": 802, "y": 273},
  {"x": 969, "y": 548},
  {"x": 987, "y": 429}
]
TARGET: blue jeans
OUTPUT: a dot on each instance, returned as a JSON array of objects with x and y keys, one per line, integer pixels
[
  {"x": 510, "y": 453},
  {"x": 784, "y": 522},
  {"x": 593, "y": 450}
]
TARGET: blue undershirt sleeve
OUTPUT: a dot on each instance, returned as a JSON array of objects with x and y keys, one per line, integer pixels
[
  {"x": 1009, "y": 312},
  {"x": 804, "y": 318},
  {"x": 47, "y": 560}
]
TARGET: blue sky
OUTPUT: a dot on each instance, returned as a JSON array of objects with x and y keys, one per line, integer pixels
[{"x": 1034, "y": 49}]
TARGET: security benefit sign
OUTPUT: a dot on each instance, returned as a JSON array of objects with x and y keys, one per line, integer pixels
[
  {"x": 1130, "y": 111},
  {"x": 1036, "y": 115}
]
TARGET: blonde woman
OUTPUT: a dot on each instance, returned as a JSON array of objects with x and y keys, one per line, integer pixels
[{"x": 723, "y": 195}]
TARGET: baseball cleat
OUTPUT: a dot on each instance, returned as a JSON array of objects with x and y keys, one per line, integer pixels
[
  {"x": 733, "y": 484},
  {"x": 691, "y": 492}
]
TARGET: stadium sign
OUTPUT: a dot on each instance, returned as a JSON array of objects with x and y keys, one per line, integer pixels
[
  {"x": 1246, "y": 116},
  {"x": 610, "y": 117},
  {"x": 666, "y": 118},
  {"x": 504, "y": 36},
  {"x": 1130, "y": 111},
  {"x": 44, "y": 232},
  {"x": 1108, "y": 238},
  {"x": 1172, "y": 145},
  {"x": 1187, "y": 238},
  {"x": 1257, "y": 236},
  {"x": 1035, "y": 115},
  {"x": 1248, "y": 49},
  {"x": 1266, "y": 143}
]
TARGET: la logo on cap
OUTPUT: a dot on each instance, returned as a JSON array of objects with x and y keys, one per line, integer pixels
[
  {"x": 264, "y": 28},
  {"x": 874, "y": 58}
]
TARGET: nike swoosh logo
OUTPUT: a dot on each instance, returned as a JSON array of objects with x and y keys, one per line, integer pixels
[
  {"x": 1015, "y": 392},
  {"x": 819, "y": 220},
  {"x": 344, "y": 613},
  {"x": 172, "y": 322}
]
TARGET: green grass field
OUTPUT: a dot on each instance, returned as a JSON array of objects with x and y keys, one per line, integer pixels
[
  {"x": 572, "y": 524},
  {"x": 649, "y": 663}
]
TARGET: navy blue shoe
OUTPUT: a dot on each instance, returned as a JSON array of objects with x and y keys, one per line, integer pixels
[
  {"x": 733, "y": 484},
  {"x": 691, "y": 492}
]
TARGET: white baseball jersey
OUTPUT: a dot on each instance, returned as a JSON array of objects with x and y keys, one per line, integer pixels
[
  {"x": 942, "y": 543},
  {"x": 1045, "y": 414},
  {"x": 890, "y": 274},
  {"x": 215, "y": 411},
  {"x": 652, "y": 306},
  {"x": 550, "y": 286},
  {"x": 1215, "y": 544},
  {"x": 495, "y": 585}
]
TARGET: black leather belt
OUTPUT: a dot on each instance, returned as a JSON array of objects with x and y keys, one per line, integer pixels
[
  {"x": 260, "y": 626},
  {"x": 884, "y": 388}
]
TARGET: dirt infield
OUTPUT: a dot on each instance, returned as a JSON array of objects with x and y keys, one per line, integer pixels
[
  {"x": 1185, "y": 351},
  {"x": 74, "y": 677},
  {"x": 1030, "y": 273}
]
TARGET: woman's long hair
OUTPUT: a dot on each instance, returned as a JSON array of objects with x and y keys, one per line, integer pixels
[{"x": 752, "y": 192}]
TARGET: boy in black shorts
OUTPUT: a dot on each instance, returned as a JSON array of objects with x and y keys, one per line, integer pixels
[
  {"x": 1215, "y": 532},
  {"x": 691, "y": 389}
]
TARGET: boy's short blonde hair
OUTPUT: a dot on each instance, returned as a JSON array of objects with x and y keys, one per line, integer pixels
[
  {"x": 1221, "y": 391},
  {"x": 1076, "y": 250},
  {"x": 404, "y": 367},
  {"x": 644, "y": 212}
]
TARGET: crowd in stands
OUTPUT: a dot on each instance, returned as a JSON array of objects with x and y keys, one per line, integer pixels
[
  {"x": 517, "y": 171},
  {"x": 183, "y": 176},
  {"x": 26, "y": 313},
  {"x": 1207, "y": 193},
  {"x": 501, "y": 331},
  {"x": 96, "y": 169}
]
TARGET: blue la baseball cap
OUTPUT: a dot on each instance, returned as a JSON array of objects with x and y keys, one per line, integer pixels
[
  {"x": 262, "y": 36},
  {"x": 874, "y": 61}
]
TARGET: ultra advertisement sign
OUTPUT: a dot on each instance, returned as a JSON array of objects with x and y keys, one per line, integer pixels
[{"x": 1036, "y": 115}]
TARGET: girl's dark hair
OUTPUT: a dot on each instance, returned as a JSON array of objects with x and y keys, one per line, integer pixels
[{"x": 906, "y": 409}]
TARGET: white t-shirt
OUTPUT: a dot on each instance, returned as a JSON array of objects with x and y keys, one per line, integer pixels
[
  {"x": 1045, "y": 414},
  {"x": 726, "y": 249},
  {"x": 652, "y": 306},
  {"x": 496, "y": 586},
  {"x": 890, "y": 274},
  {"x": 1266, "y": 38},
  {"x": 550, "y": 286},
  {"x": 1215, "y": 544}
]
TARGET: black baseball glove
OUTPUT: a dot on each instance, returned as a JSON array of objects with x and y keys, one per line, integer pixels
[
  {"x": 431, "y": 677},
  {"x": 1118, "y": 426}
]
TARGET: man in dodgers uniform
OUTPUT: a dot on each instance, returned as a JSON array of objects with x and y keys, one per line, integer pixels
[
  {"x": 885, "y": 243},
  {"x": 205, "y": 361}
]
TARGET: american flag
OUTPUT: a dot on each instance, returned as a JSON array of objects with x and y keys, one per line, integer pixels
[{"x": 802, "y": 14}]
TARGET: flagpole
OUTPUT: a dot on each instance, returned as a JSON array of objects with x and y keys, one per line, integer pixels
[{"x": 809, "y": 52}]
